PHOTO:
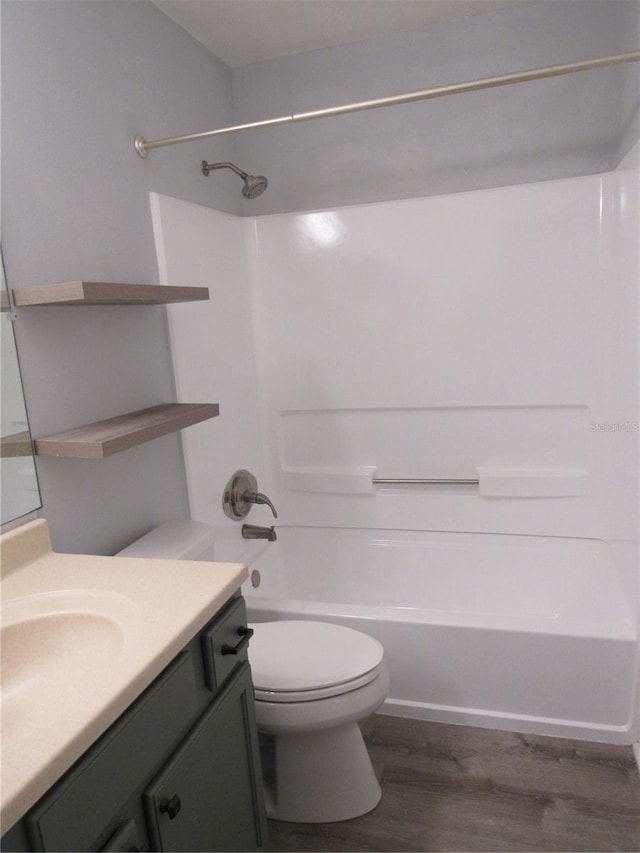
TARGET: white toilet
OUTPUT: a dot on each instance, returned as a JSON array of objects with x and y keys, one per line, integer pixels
[{"x": 313, "y": 683}]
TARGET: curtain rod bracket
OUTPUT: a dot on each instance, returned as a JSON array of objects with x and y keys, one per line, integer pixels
[{"x": 140, "y": 144}]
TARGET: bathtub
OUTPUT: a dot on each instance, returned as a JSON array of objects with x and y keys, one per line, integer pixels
[{"x": 524, "y": 633}]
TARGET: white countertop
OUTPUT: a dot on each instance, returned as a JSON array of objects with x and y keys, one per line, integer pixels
[{"x": 131, "y": 617}]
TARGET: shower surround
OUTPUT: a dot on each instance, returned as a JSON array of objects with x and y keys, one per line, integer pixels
[{"x": 489, "y": 336}]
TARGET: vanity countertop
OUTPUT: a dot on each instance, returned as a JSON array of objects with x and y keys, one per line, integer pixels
[{"x": 83, "y": 636}]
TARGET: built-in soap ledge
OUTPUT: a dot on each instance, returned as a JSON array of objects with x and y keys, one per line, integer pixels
[
  {"x": 532, "y": 482},
  {"x": 490, "y": 482},
  {"x": 336, "y": 481}
]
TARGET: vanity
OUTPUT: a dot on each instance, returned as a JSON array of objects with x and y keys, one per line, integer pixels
[{"x": 127, "y": 703}]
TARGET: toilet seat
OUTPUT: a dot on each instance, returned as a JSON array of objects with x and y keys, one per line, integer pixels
[
  {"x": 319, "y": 692},
  {"x": 301, "y": 661}
]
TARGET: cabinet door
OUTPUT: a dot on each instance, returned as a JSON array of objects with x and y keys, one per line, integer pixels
[
  {"x": 209, "y": 795},
  {"x": 86, "y": 806}
]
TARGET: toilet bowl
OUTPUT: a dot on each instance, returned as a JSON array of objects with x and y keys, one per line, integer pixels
[{"x": 313, "y": 683}]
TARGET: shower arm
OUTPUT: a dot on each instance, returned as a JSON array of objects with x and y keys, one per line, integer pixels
[
  {"x": 209, "y": 167},
  {"x": 143, "y": 146}
]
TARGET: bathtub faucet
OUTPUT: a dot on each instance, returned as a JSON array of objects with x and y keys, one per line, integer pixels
[{"x": 253, "y": 531}]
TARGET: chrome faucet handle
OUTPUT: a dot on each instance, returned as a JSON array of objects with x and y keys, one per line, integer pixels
[{"x": 259, "y": 498}]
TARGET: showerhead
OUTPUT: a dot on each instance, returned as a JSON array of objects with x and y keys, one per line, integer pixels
[{"x": 254, "y": 185}]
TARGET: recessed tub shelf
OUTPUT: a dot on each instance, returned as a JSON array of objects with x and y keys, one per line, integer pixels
[
  {"x": 106, "y": 293},
  {"x": 103, "y": 438},
  {"x": 490, "y": 482}
]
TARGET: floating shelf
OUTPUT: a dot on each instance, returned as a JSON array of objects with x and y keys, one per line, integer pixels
[
  {"x": 18, "y": 444},
  {"x": 106, "y": 293},
  {"x": 103, "y": 438}
]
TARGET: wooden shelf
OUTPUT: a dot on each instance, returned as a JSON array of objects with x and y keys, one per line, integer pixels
[
  {"x": 18, "y": 444},
  {"x": 105, "y": 293},
  {"x": 103, "y": 438}
]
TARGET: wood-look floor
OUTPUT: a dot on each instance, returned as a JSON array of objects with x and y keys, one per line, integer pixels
[{"x": 454, "y": 788}]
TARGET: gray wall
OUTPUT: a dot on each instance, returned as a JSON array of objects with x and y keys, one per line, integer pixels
[
  {"x": 79, "y": 80},
  {"x": 563, "y": 127}
]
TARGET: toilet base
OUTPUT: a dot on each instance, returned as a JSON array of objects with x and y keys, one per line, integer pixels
[{"x": 320, "y": 777}]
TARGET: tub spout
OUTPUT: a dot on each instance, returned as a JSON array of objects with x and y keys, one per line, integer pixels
[{"x": 253, "y": 531}]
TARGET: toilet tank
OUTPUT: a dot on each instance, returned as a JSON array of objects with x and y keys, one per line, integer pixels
[{"x": 175, "y": 540}]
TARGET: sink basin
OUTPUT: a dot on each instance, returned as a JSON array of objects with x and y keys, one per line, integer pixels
[{"x": 56, "y": 640}]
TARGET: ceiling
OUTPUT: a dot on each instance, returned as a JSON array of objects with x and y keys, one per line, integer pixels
[{"x": 241, "y": 32}]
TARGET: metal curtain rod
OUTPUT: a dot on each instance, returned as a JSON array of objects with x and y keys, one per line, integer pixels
[
  {"x": 143, "y": 146},
  {"x": 429, "y": 481}
]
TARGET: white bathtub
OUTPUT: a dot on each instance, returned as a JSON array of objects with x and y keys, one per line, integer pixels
[{"x": 517, "y": 632}]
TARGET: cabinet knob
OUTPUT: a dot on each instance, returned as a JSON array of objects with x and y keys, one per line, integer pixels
[{"x": 170, "y": 806}]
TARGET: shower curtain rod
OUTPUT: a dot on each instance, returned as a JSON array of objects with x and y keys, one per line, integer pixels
[{"x": 143, "y": 146}]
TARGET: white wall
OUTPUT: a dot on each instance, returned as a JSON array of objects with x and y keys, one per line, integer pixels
[
  {"x": 436, "y": 337},
  {"x": 212, "y": 351},
  {"x": 626, "y": 450}
]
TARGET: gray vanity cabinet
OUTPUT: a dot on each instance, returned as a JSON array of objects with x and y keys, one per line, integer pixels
[
  {"x": 203, "y": 798},
  {"x": 179, "y": 770}
]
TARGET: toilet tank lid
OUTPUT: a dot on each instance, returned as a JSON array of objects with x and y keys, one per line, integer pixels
[{"x": 175, "y": 540}]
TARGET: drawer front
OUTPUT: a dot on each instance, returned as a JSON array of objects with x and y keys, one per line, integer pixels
[
  {"x": 81, "y": 808},
  {"x": 225, "y": 643}
]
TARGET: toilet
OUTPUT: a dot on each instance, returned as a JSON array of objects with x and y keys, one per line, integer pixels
[{"x": 313, "y": 683}]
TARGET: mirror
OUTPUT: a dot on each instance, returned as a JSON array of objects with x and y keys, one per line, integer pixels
[{"x": 19, "y": 491}]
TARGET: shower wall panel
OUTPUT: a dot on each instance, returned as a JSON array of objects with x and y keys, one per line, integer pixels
[
  {"x": 463, "y": 336},
  {"x": 211, "y": 349}
]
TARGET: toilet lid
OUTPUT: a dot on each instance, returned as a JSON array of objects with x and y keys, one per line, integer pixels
[{"x": 298, "y": 655}]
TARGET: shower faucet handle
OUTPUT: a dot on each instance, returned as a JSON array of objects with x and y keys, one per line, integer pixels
[
  {"x": 240, "y": 493},
  {"x": 259, "y": 498}
]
